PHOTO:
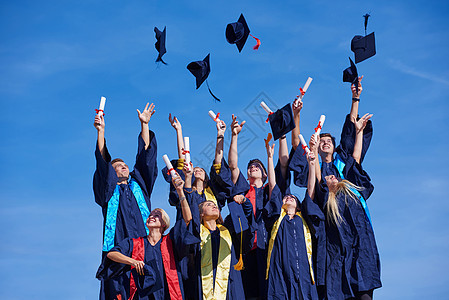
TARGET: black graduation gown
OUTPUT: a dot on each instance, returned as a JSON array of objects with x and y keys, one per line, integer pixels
[
  {"x": 151, "y": 286},
  {"x": 289, "y": 275},
  {"x": 352, "y": 259}
]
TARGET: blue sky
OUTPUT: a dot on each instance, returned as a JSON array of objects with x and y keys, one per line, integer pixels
[{"x": 58, "y": 57}]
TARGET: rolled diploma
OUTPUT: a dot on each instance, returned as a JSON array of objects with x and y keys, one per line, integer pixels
[
  {"x": 187, "y": 149},
  {"x": 101, "y": 108},
  {"x": 265, "y": 107},
  {"x": 213, "y": 116},
  {"x": 320, "y": 125},
  {"x": 303, "y": 142},
  {"x": 169, "y": 165},
  {"x": 308, "y": 82}
]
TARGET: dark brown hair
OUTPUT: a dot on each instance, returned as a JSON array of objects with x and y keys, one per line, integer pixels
[{"x": 200, "y": 208}]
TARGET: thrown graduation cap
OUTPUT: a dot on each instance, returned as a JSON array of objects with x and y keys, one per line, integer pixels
[
  {"x": 201, "y": 69},
  {"x": 236, "y": 212},
  {"x": 363, "y": 47},
  {"x": 237, "y": 33},
  {"x": 160, "y": 43},
  {"x": 350, "y": 75},
  {"x": 282, "y": 121}
]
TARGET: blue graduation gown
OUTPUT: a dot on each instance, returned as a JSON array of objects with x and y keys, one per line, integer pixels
[
  {"x": 289, "y": 275},
  {"x": 129, "y": 222},
  {"x": 187, "y": 242},
  {"x": 352, "y": 259},
  {"x": 255, "y": 261},
  {"x": 298, "y": 161},
  {"x": 195, "y": 197},
  {"x": 118, "y": 275}
]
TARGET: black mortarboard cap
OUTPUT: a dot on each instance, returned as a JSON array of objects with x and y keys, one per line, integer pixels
[
  {"x": 160, "y": 43},
  {"x": 350, "y": 75},
  {"x": 363, "y": 47},
  {"x": 236, "y": 212},
  {"x": 201, "y": 69},
  {"x": 237, "y": 32},
  {"x": 282, "y": 121}
]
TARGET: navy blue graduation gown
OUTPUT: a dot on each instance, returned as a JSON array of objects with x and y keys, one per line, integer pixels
[
  {"x": 129, "y": 222},
  {"x": 298, "y": 161},
  {"x": 187, "y": 242},
  {"x": 289, "y": 275},
  {"x": 195, "y": 197},
  {"x": 117, "y": 275},
  {"x": 352, "y": 259},
  {"x": 255, "y": 261}
]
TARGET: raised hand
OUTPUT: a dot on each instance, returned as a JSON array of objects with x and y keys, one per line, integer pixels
[
  {"x": 354, "y": 90},
  {"x": 235, "y": 126},
  {"x": 221, "y": 128},
  {"x": 297, "y": 105},
  {"x": 314, "y": 142},
  {"x": 361, "y": 123},
  {"x": 270, "y": 150},
  {"x": 145, "y": 116},
  {"x": 178, "y": 183},
  {"x": 174, "y": 122},
  {"x": 99, "y": 123},
  {"x": 311, "y": 158}
]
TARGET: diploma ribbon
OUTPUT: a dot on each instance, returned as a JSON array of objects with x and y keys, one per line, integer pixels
[
  {"x": 318, "y": 127},
  {"x": 98, "y": 110},
  {"x": 302, "y": 91},
  {"x": 269, "y": 117},
  {"x": 216, "y": 117},
  {"x": 168, "y": 172},
  {"x": 184, "y": 152},
  {"x": 304, "y": 147}
]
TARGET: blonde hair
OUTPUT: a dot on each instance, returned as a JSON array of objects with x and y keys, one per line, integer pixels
[
  {"x": 165, "y": 218},
  {"x": 343, "y": 187}
]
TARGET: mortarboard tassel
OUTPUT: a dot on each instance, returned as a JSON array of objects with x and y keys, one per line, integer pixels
[
  {"x": 269, "y": 136},
  {"x": 366, "y": 16},
  {"x": 212, "y": 93},
  {"x": 239, "y": 265},
  {"x": 159, "y": 59},
  {"x": 258, "y": 42}
]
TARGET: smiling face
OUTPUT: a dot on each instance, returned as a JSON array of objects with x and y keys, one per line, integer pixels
[
  {"x": 290, "y": 201},
  {"x": 121, "y": 169},
  {"x": 326, "y": 145},
  {"x": 254, "y": 171},
  {"x": 331, "y": 182},
  {"x": 156, "y": 220}
]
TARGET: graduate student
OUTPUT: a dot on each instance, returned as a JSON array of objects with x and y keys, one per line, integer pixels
[
  {"x": 352, "y": 259},
  {"x": 199, "y": 185},
  {"x": 124, "y": 196},
  {"x": 214, "y": 270},
  {"x": 145, "y": 267},
  {"x": 327, "y": 146},
  {"x": 289, "y": 268}
]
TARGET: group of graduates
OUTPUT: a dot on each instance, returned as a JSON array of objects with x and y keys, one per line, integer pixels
[{"x": 270, "y": 246}]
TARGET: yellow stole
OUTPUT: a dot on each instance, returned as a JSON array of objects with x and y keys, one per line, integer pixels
[
  {"x": 215, "y": 290},
  {"x": 307, "y": 237}
]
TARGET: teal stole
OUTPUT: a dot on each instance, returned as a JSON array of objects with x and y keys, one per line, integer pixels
[
  {"x": 340, "y": 165},
  {"x": 111, "y": 216}
]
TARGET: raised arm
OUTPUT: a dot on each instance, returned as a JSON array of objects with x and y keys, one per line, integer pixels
[
  {"x": 311, "y": 159},
  {"x": 185, "y": 208},
  {"x": 99, "y": 126},
  {"x": 355, "y": 100},
  {"x": 270, "y": 168},
  {"x": 313, "y": 145},
  {"x": 233, "y": 153},
  {"x": 221, "y": 129},
  {"x": 296, "y": 107},
  {"x": 359, "y": 126},
  {"x": 144, "y": 118},
  {"x": 188, "y": 172},
  {"x": 174, "y": 122},
  {"x": 283, "y": 155}
]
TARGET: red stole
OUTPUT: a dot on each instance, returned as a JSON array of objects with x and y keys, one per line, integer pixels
[
  {"x": 168, "y": 260},
  {"x": 251, "y": 195}
]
